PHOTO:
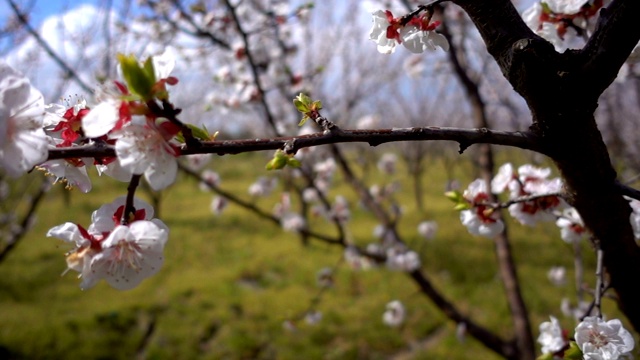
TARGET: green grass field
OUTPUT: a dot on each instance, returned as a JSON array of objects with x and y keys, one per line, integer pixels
[{"x": 230, "y": 282}]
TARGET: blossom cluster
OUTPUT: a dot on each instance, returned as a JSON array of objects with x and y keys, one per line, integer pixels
[
  {"x": 123, "y": 244},
  {"x": 416, "y": 34},
  {"x": 564, "y": 23},
  {"x": 127, "y": 117},
  {"x": 121, "y": 247},
  {"x": 595, "y": 339},
  {"x": 533, "y": 198}
]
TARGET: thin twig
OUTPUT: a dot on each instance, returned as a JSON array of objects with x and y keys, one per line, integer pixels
[
  {"x": 129, "y": 209},
  {"x": 254, "y": 209},
  {"x": 599, "y": 283},
  {"x": 45, "y": 46},
  {"x": 27, "y": 219}
]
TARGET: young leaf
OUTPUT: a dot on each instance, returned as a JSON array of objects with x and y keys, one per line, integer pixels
[
  {"x": 293, "y": 162},
  {"x": 573, "y": 353},
  {"x": 135, "y": 76}
]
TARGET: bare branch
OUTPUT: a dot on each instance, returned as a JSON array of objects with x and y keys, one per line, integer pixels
[
  {"x": 26, "y": 220},
  {"x": 628, "y": 191},
  {"x": 54, "y": 56},
  {"x": 466, "y": 138},
  {"x": 487, "y": 338},
  {"x": 256, "y": 210}
]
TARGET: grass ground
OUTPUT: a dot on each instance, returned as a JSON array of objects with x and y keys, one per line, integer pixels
[{"x": 231, "y": 281}]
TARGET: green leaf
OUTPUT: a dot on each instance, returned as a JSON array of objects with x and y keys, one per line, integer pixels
[
  {"x": 281, "y": 159},
  {"x": 304, "y": 120},
  {"x": 293, "y": 162},
  {"x": 302, "y": 103},
  {"x": 462, "y": 206},
  {"x": 547, "y": 356},
  {"x": 300, "y": 106},
  {"x": 276, "y": 163},
  {"x": 135, "y": 76},
  {"x": 454, "y": 196},
  {"x": 198, "y": 133},
  {"x": 574, "y": 352},
  {"x": 317, "y": 105},
  {"x": 150, "y": 71}
]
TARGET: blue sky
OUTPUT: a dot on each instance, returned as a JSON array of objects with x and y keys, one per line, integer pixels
[{"x": 40, "y": 9}]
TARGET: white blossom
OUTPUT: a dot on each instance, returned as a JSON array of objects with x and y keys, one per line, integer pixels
[
  {"x": 571, "y": 225},
  {"x": 353, "y": 257},
  {"x": 394, "y": 314},
  {"x": 576, "y": 312},
  {"x": 340, "y": 210},
  {"x": 310, "y": 195},
  {"x": 324, "y": 277},
  {"x": 102, "y": 118},
  {"x": 114, "y": 170},
  {"x": 292, "y": 222},
  {"x": 378, "y": 33},
  {"x": 428, "y": 229},
  {"x": 387, "y": 163},
  {"x": 263, "y": 186},
  {"x": 417, "y": 40},
  {"x": 130, "y": 254},
  {"x": 107, "y": 217},
  {"x": 600, "y": 340},
  {"x": 196, "y": 162},
  {"x": 480, "y": 219},
  {"x": 568, "y": 7},
  {"x": 141, "y": 149},
  {"x": 402, "y": 260},
  {"x": 23, "y": 142},
  {"x": 502, "y": 179},
  {"x": 551, "y": 338},
  {"x": 209, "y": 177},
  {"x": 313, "y": 317},
  {"x": 557, "y": 275},
  {"x": 164, "y": 63},
  {"x": 218, "y": 204},
  {"x": 634, "y": 218},
  {"x": 73, "y": 174},
  {"x": 86, "y": 246}
]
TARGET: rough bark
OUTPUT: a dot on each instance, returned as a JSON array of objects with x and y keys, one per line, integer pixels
[{"x": 562, "y": 91}]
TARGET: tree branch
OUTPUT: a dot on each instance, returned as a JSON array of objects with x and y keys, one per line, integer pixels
[
  {"x": 487, "y": 338},
  {"x": 256, "y": 210},
  {"x": 466, "y": 137},
  {"x": 45, "y": 46},
  {"x": 617, "y": 33},
  {"x": 26, "y": 220}
]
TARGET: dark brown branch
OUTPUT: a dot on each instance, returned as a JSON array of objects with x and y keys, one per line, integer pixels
[
  {"x": 493, "y": 342},
  {"x": 617, "y": 33},
  {"x": 199, "y": 32},
  {"x": 628, "y": 191},
  {"x": 466, "y": 138},
  {"x": 129, "y": 209},
  {"x": 254, "y": 67},
  {"x": 26, "y": 220}
]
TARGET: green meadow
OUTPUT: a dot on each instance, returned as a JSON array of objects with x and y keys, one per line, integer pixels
[{"x": 230, "y": 283}]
